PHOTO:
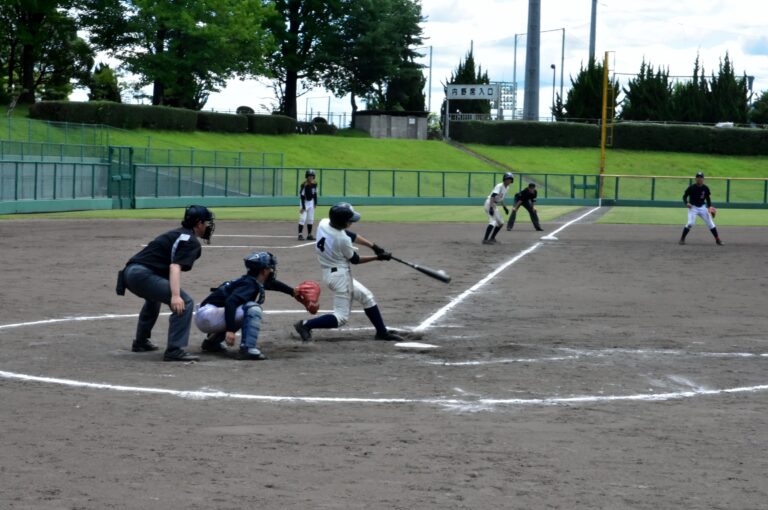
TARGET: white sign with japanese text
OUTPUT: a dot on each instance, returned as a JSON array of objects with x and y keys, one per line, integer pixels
[{"x": 473, "y": 91}]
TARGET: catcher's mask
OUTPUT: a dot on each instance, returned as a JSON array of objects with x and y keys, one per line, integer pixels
[
  {"x": 259, "y": 260},
  {"x": 196, "y": 213}
]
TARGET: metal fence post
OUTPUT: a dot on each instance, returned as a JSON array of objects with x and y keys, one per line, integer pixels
[
  {"x": 344, "y": 186},
  {"x": 369, "y": 183},
  {"x": 653, "y": 188},
  {"x": 393, "y": 183},
  {"x": 727, "y": 191}
]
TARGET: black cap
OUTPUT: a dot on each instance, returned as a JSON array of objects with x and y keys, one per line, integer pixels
[{"x": 700, "y": 174}]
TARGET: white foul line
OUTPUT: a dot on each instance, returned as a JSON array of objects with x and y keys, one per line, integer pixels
[
  {"x": 461, "y": 297},
  {"x": 449, "y": 402}
]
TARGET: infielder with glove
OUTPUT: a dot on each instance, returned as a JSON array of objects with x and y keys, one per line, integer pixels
[
  {"x": 697, "y": 200},
  {"x": 335, "y": 253},
  {"x": 308, "y": 197},
  {"x": 526, "y": 198},
  {"x": 237, "y": 304},
  {"x": 491, "y": 206},
  {"x": 155, "y": 275}
]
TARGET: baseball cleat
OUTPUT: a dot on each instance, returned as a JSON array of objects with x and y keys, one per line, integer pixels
[
  {"x": 143, "y": 346},
  {"x": 300, "y": 238},
  {"x": 310, "y": 237},
  {"x": 389, "y": 336},
  {"x": 539, "y": 229},
  {"x": 681, "y": 241},
  {"x": 489, "y": 241},
  {"x": 214, "y": 344},
  {"x": 719, "y": 242},
  {"x": 304, "y": 333},
  {"x": 509, "y": 229},
  {"x": 179, "y": 355},
  {"x": 251, "y": 354}
]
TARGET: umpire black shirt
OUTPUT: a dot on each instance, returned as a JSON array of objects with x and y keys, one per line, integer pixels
[
  {"x": 179, "y": 246},
  {"x": 526, "y": 195},
  {"x": 697, "y": 195}
]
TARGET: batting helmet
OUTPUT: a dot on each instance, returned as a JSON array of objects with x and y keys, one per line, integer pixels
[
  {"x": 259, "y": 260},
  {"x": 342, "y": 214},
  {"x": 509, "y": 175},
  {"x": 309, "y": 173},
  {"x": 197, "y": 213}
]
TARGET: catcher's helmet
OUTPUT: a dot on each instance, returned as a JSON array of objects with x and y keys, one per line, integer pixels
[
  {"x": 197, "y": 213},
  {"x": 259, "y": 260},
  {"x": 309, "y": 173},
  {"x": 342, "y": 214},
  {"x": 509, "y": 175}
]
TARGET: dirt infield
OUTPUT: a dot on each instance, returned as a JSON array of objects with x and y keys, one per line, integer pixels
[{"x": 607, "y": 368}]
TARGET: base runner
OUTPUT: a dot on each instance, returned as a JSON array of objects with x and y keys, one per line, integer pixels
[
  {"x": 491, "y": 206},
  {"x": 699, "y": 203},
  {"x": 335, "y": 253}
]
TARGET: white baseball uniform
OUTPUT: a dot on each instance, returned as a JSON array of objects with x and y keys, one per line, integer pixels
[
  {"x": 334, "y": 250},
  {"x": 492, "y": 202}
]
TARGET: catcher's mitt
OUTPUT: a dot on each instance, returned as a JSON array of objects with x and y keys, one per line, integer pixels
[
  {"x": 712, "y": 211},
  {"x": 308, "y": 294}
]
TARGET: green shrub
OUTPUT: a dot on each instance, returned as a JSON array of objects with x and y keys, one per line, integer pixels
[
  {"x": 271, "y": 124},
  {"x": 698, "y": 139},
  {"x": 115, "y": 114},
  {"x": 532, "y": 134},
  {"x": 222, "y": 122}
]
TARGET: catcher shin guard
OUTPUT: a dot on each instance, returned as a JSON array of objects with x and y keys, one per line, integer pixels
[{"x": 251, "y": 325}]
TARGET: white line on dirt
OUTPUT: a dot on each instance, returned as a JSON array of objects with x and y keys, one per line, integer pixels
[
  {"x": 461, "y": 297},
  {"x": 465, "y": 404}
]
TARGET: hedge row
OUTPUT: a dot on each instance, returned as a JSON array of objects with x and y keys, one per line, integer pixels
[
  {"x": 626, "y": 135},
  {"x": 116, "y": 114},
  {"x": 532, "y": 134},
  {"x": 701, "y": 139},
  {"x": 129, "y": 116}
]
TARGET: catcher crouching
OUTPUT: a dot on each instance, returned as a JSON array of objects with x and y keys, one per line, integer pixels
[{"x": 237, "y": 304}]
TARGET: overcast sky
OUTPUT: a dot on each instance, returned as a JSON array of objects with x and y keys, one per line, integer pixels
[{"x": 667, "y": 33}]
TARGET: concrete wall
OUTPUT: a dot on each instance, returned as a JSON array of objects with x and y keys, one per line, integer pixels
[{"x": 389, "y": 126}]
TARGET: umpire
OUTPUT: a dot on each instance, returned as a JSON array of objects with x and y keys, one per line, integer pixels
[
  {"x": 155, "y": 275},
  {"x": 526, "y": 197}
]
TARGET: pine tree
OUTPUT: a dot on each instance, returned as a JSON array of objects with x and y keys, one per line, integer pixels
[{"x": 466, "y": 74}]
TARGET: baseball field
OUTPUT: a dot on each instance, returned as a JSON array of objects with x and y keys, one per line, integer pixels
[{"x": 599, "y": 366}]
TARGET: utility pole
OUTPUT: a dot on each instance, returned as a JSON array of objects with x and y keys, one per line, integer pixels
[
  {"x": 592, "y": 31},
  {"x": 532, "y": 57}
]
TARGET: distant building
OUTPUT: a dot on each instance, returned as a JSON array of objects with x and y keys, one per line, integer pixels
[{"x": 384, "y": 124}]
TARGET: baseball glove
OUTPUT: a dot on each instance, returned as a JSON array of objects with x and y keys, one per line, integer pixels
[
  {"x": 308, "y": 294},
  {"x": 712, "y": 211}
]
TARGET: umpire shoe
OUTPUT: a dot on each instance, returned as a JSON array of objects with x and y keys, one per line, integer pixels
[
  {"x": 179, "y": 355},
  {"x": 389, "y": 336},
  {"x": 303, "y": 331},
  {"x": 143, "y": 346},
  {"x": 214, "y": 344}
]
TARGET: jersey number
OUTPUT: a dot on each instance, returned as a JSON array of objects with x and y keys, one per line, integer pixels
[{"x": 321, "y": 244}]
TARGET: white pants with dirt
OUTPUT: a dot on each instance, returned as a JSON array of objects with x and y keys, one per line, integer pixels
[
  {"x": 495, "y": 218},
  {"x": 345, "y": 290},
  {"x": 308, "y": 216},
  {"x": 702, "y": 212}
]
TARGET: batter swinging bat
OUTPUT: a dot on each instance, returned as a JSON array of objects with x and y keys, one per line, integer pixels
[{"x": 437, "y": 275}]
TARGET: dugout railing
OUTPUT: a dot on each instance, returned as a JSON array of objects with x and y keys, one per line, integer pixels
[{"x": 119, "y": 181}]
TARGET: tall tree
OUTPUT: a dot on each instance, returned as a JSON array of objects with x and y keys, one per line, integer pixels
[
  {"x": 184, "y": 48},
  {"x": 375, "y": 38},
  {"x": 44, "y": 51},
  {"x": 299, "y": 28},
  {"x": 690, "y": 100},
  {"x": 729, "y": 95},
  {"x": 584, "y": 100},
  {"x": 467, "y": 73},
  {"x": 103, "y": 85},
  {"x": 402, "y": 92},
  {"x": 648, "y": 96},
  {"x": 759, "y": 111}
]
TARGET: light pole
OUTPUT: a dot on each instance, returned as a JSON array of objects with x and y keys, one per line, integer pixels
[
  {"x": 429, "y": 84},
  {"x": 554, "y": 70},
  {"x": 514, "y": 65}
]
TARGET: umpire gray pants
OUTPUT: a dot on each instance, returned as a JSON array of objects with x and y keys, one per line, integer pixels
[{"x": 156, "y": 290}]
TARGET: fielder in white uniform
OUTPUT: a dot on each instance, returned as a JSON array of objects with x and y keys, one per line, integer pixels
[
  {"x": 336, "y": 256},
  {"x": 308, "y": 199},
  {"x": 492, "y": 204},
  {"x": 697, "y": 199}
]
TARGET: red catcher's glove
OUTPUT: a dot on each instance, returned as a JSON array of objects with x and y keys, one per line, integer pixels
[
  {"x": 308, "y": 294},
  {"x": 712, "y": 211}
]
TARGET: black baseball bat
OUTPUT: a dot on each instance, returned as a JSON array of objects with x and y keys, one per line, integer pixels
[{"x": 436, "y": 274}]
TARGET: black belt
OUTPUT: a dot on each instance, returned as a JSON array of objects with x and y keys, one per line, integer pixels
[{"x": 334, "y": 269}]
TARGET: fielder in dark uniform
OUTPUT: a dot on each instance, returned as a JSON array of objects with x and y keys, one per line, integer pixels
[
  {"x": 699, "y": 203},
  {"x": 155, "y": 275},
  {"x": 308, "y": 197},
  {"x": 526, "y": 197}
]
